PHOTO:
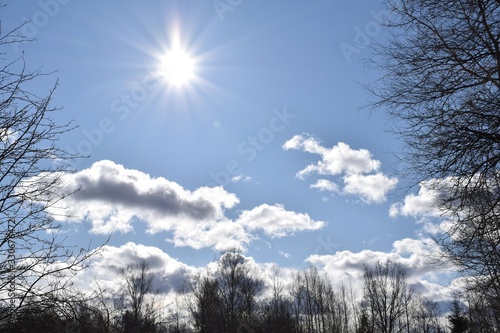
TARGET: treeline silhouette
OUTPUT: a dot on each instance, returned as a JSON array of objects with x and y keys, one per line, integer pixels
[{"x": 236, "y": 298}]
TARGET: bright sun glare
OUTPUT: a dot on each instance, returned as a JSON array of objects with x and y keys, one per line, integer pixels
[{"x": 177, "y": 67}]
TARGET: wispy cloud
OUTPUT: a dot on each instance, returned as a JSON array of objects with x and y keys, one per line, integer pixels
[
  {"x": 356, "y": 168},
  {"x": 241, "y": 178},
  {"x": 284, "y": 254}
]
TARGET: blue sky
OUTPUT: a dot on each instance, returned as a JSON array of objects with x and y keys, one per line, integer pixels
[{"x": 266, "y": 149}]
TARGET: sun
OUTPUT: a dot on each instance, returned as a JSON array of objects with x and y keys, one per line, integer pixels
[{"x": 177, "y": 67}]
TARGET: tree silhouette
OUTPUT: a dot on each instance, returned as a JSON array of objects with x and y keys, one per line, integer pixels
[
  {"x": 35, "y": 264},
  {"x": 387, "y": 296},
  {"x": 440, "y": 85},
  {"x": 140, "y": 314},
  {"x": 458, "y": 320}
]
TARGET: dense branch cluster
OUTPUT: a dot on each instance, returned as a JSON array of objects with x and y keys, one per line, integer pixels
[{"x": 441, "y": 87}]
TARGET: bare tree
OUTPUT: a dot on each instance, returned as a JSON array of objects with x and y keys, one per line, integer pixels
[
  {"x": 277, "y": 311},
  {"x": 206, "y": 306},
  {"x": 317, "y": 305},
  {"x": 227, "y": 301},
  {"x": 140, "y": 314},
  {"x": 239, "y": 287},
  {"x": 473, "y": 244},
  {"x": 441, "y": 68},
  {"x": 35, "y": 263},
  {"x": 387, "y": 297},
  {"x": 425, "y": 316},
  {"x": 475, "y": 312},
  {"x": 441, "y": 86}
]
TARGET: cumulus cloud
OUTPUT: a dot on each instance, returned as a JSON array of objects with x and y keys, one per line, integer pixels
[
  {"x": 336, "y": 160},
  {"x": 426, "y": 208},
  {"x": 357, "y": 169},
  {"x": 275, "y": 221},
  {"x": 111, "y": 197},
  {"x": 220, "y": 235},
  {"x": 371, "y": 188},
  {"x": 417, "y": 205},
  {"x": 414, "y": 255},
  {"x": 169, "y": 274},
  {"x": 432, "y": 193}
]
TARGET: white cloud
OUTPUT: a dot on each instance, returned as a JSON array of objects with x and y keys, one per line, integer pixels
[
  {"x": 111, "y": 197},
  {"x": 356, "y": 167},
  {"x": 431, "y": 194},
  {"x": 425, "y": 206},
  {"x": 325, "y": 185},
  {"x": 275, "y": 221},
  {"x": 370, "y": 188},
  {"x": 221, "y": 235},
  {"x": 337, "y": 160},
  {"x": 417, "y": 205},
  {"x": 169, "y": 273},
  {"x": 414, "y": 255},
  {"x": 431, "y": 207}
]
